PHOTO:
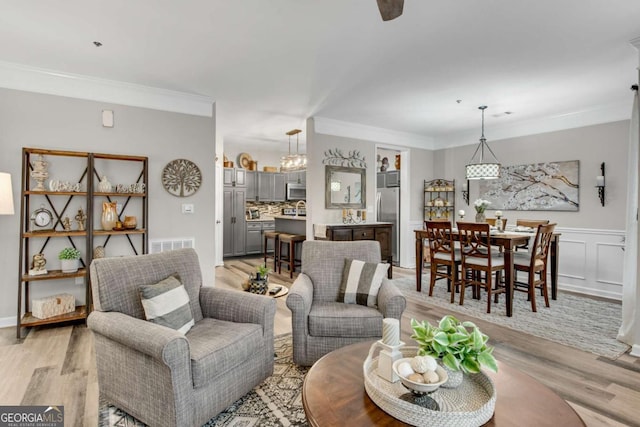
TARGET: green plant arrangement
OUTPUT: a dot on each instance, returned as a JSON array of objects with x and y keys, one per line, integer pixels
[
  {"x": 263, "y": 270},
  {"x": 69, "y": 253},
  {"x": 460, "y": 349}
]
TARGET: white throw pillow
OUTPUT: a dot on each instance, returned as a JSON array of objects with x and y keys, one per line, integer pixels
[
  {"x": 361, "y": 282},
  {"x": 167, "y": 303}
]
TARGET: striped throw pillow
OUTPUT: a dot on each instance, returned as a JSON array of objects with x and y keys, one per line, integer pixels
[
  {"x": 167, "y": 303},
  {"x": 361, "y": 282}
]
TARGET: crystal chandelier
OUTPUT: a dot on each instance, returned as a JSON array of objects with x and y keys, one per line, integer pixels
[
  {"x": 477, "y": 167},
  {"x": 293, "y": 162}
]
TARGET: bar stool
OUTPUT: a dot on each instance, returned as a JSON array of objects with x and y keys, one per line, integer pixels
[
  {"x": 290, "y": 243},
  {"x": 268, "y": 236}
]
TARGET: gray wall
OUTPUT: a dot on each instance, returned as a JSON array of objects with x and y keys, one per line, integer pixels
[
  {"x": 54, "y": 122},
  {"x": 591, "y": 145}
]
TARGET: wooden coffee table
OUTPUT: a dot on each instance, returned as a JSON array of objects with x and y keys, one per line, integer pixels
[{"x": 333, "y": 394}]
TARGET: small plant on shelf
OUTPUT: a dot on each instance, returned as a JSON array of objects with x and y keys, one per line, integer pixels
[
  {"x": 69, "y": 260},
  {"x": 459, "y": 348},
  {"x": 69, "y": 253}
]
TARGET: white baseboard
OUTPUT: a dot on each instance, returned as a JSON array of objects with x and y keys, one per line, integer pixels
[
  {"x": 589, "y": 291},
  {"x": 635, "y": 350},
  {"x": 6, "y": 322}
]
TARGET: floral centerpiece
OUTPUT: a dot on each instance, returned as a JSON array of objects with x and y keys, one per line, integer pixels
[
  {"x": 481, "y": 205},
  {"x": 461, "y": 346}
]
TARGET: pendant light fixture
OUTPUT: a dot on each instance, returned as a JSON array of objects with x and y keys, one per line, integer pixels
[
  {"x": 293, "y": 162},
  {"x": 477, "y": 167}
]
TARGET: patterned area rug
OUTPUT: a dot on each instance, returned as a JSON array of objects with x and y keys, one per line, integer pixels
[
  {"x": 276, "y": 402},
  {"x": 584, "y": 323}
]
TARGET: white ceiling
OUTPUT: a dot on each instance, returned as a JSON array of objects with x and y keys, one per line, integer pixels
[{"x": 270, "y": 64}]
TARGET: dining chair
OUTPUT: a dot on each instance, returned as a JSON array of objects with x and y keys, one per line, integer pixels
[
  {"x": 443, "y": 254},
  {"x": 532, "y": 223},
  {"x": 534, "y": 264},
  {"x": 478, "y": 258}
]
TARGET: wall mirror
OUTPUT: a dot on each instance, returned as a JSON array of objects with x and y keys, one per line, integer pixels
[{"x": 345, "y": 187}]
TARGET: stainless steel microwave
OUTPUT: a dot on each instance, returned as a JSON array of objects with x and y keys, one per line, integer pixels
[{"x": 296, "y": 191}]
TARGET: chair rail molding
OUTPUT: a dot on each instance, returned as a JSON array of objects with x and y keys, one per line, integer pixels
[{"x": 51, "y": 82}]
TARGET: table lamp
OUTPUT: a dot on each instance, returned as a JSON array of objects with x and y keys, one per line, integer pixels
[{"x": 6, "y": 194}]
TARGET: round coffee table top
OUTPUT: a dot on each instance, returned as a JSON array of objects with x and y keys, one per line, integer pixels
[{"x": 333, "y": 393}]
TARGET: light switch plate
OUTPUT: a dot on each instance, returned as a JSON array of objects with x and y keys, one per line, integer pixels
[{"x": 187, "y": 208}]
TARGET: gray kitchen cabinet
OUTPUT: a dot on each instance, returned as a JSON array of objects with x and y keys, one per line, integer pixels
[
  {"x": 254, "y": 238},
  {"x": 271, "y": 187},
  {"x": 234, "y": 222},
  {"x": 299, "y": 177},
  {"x": 252, "y": 186},
  {"x": 234, "y": 177},
  {"x": 279, "y": 188}
]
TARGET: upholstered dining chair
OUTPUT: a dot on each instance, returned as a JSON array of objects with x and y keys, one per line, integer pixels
[
  {"x": 164, "y": 375},
  {"x": 531, "y": 223},
  {"x": 478, "y": 258},
  {"x": 535, "y": 265},
  {"x": 445, "y": 258},
  {"x": 492, "y": 222},
  {"x": 323, "y": 317}
]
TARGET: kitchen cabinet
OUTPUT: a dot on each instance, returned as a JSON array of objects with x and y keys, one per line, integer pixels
[
  {"x": 255, "y": 236},
  {"x": 380, "y": 231},
  {"x": 234, "y": 177},
  {"x": 298, "y": 177},
  {"x": 234, "y": 222},
  {"x": 252, "y": 186},
  {"x": 271, "y": 187}
]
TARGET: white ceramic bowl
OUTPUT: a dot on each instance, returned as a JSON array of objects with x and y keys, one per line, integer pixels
[{"x": 420, "y": 387}]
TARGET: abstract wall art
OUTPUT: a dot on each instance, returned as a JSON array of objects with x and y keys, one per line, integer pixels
[{"x": 551, "y": 186}]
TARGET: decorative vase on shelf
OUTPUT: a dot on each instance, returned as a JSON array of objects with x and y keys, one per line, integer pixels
[
  {"x": 109, "y": 215},
  {"x": 480, "y": 217},
  {"x": 69, "y": 265},
  {"x": 104, "y": 186}
]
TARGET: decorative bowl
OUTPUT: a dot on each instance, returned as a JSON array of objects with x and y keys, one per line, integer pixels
[{"x": 420, "y": 387}]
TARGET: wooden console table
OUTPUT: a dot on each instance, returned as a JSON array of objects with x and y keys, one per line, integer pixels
[{"x": 380, "y": 231}]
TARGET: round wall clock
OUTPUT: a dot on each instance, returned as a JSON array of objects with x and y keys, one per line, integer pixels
[
  {"x": 41, "y": 219},
  {"x": 181, "y": 178}
]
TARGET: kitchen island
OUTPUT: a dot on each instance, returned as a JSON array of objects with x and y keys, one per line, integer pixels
[{"x": 291, "y": 224}]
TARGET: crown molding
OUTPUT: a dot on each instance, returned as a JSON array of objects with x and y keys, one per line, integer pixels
[
  {"x": 334, "y": 127},
  {"x": 604, "y": 114},
  {"x": 51, "y": 82}
]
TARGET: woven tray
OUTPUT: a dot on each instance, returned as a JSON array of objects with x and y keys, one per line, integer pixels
[{"x": 470, "y": 404}]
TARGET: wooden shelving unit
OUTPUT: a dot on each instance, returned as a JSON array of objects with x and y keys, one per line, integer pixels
[
  {"x": 439, "y": 200},
  {"x": 34, "y": 241}
]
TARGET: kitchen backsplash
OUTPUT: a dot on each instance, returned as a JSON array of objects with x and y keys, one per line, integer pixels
[{"x": 272, "y": 208}]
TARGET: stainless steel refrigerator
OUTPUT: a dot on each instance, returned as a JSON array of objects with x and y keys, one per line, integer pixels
[{"x": 388, "y": 210}]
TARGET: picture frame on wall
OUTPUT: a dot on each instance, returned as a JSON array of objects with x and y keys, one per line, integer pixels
[{"x": 549, "y": 186}]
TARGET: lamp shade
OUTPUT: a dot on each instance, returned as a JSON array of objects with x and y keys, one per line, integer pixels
[
  {"x": 483, "y": 171},
  {"x": 6, "y": 194}
]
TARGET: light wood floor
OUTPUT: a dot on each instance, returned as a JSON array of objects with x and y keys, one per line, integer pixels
[{"x": 57, "y": 365}]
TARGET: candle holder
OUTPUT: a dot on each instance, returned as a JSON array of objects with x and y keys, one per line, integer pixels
[
  {"x": 600, "y": 184},
  {"x": 465, "y": 192}
]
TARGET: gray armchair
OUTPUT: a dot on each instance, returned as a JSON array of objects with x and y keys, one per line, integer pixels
[
  {"x": 155, "y": 373},
  {"x": 320, "y": 323}
]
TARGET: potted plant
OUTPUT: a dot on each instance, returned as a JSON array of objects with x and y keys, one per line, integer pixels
[
  {"x": 262, "y": 271},
  {"x": 69, "y": 260},
  {"x": 461, "y": 346}
]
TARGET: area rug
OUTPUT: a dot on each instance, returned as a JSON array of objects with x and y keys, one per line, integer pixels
[
  {"x": 584, "y": 323},
  {"x": 276, "y": 402}
]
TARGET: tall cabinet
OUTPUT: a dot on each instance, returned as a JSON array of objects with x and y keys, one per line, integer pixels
[
  {"x": 439, "y": 200},
  {"x": 65, "y": 212},
  {"x": 234, "y": 227}
]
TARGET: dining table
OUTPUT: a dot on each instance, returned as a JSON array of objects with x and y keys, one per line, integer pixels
[{"x": 507, "y": 240}]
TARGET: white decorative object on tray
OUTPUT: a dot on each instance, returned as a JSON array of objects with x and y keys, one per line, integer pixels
[
  {"x": 470, "y": 404},
  {"x": 421, "y": 387}
]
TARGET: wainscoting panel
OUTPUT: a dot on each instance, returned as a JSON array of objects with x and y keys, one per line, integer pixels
[{"x": 591, "y": 261}]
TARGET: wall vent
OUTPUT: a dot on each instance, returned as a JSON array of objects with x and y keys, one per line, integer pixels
[{"x": 163, "y": 245}]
